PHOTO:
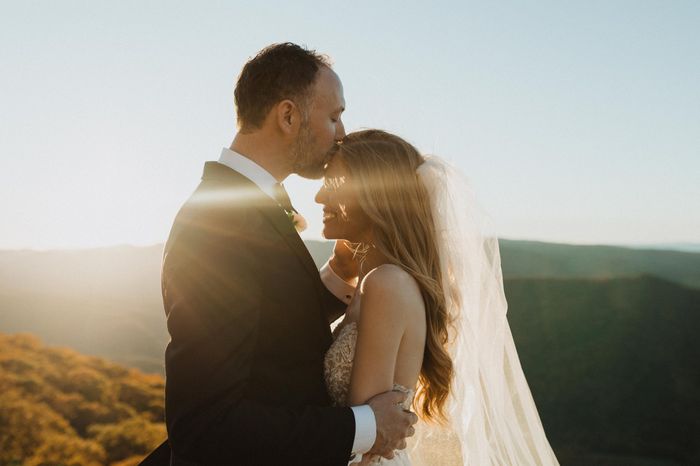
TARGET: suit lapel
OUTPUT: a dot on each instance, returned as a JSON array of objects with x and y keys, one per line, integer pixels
[
  {"x": 279, "y": 219},
  {"x": 269, "y": 208}
]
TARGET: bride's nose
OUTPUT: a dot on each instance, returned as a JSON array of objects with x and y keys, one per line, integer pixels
[{"x": 320, "y": 195}]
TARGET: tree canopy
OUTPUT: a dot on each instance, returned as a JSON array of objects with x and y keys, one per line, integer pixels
[{"x": 61, "y": 408}]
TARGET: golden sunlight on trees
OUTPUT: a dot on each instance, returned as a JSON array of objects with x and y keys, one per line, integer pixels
[
  {"x": 61, "y": 408},
  {"x": 135, "y": 433},
  {"x": 67, "y": 450}
]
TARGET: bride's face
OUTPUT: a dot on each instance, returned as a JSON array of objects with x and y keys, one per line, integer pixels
[{"x": 343, "y": 218}]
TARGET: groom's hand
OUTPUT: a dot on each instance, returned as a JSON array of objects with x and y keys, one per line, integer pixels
[
  {"x": 393, "y": 423},
  {"x": 343, "y": 261}
]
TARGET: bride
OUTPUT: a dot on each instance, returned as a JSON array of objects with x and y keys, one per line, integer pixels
[{"x": 429, "y": 314}]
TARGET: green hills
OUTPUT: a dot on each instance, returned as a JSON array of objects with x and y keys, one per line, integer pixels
[
  {"x": 549, "y": 260},
  {"x": 613, "y": 366}
]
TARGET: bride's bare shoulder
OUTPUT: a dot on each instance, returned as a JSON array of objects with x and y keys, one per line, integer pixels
[{"x": 393, "y": 289}]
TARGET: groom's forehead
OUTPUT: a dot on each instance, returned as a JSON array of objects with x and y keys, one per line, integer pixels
[{"x": 329, "y": 89}]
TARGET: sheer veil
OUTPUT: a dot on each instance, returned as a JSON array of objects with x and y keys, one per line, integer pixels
[{"x": 493, "y": 419}]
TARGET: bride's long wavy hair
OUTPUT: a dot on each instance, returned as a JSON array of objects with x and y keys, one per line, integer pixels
[{"x": 391, "y": 194}]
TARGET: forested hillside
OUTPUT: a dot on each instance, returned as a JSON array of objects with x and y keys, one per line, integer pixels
[
  {"x": 613, "y": 367},
  {"x": 58, "y": 407}
]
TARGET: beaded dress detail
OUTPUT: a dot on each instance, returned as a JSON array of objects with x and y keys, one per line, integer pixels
[{"x": 338, "y": 368}]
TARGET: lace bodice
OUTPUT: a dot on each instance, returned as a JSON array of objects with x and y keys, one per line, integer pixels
[
  {"x": 338, "y": 362},
  {"x": 338, "y": 365},
  {"x": 338, "y": 368}
]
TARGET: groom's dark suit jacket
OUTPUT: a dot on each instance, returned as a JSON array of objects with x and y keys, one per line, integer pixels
[{"x": 248, "y": 318}]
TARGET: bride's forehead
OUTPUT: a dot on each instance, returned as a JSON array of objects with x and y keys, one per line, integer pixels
[{"x": 336, "y": 167}]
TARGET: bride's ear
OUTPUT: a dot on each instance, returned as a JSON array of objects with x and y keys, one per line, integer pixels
[{"x": 288, "y": 117}]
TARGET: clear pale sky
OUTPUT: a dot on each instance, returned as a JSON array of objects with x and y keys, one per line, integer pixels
[{"x": 576, "y": 121}]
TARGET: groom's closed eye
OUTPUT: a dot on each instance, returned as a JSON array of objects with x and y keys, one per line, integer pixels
[{"x": 335, "y": 116}]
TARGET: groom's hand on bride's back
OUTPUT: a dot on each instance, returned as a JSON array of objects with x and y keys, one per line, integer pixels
[{"x": 394, "y": 424}]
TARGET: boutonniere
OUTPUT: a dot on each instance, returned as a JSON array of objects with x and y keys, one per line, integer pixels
[{"x": 297, "y": 220}]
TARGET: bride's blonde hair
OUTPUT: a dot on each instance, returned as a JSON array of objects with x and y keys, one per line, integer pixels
[{"x": 391, "y": 194}]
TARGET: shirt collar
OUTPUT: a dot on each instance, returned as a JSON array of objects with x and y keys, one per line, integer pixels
[{"x": 251, "y": 170}]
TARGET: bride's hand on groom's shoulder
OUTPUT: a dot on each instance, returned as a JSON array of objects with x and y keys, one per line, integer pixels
[{"x": 394, "y": 424}]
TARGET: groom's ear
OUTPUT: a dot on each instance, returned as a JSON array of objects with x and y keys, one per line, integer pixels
[{"x": 288, "y": 116}]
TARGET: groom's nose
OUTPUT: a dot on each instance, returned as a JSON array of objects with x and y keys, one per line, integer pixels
[{"x": 340, "y": 131}]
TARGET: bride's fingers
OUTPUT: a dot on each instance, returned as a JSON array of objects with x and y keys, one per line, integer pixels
[
  {"x": 411, "y": 431},
  {"x": 398, "y": 396}
]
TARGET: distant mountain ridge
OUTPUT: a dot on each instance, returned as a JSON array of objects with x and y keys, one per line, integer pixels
[
  {"x": 104, "y": 302},
  {"x": 683, "y": 247},
  {"x": 550, "y": 260},
  {"x": 522, "y": 259},
  {"x": 122, "y": 268},
  {"x": 107, "y": 301}
]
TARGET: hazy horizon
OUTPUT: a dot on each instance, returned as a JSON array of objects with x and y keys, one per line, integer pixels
[{"x": 679, "y": 247}]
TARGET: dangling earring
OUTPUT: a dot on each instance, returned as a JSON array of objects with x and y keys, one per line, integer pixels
[{"x": 360, "y": 250}]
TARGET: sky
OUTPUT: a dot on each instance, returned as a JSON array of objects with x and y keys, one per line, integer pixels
[{"x": 576, "y": 122}]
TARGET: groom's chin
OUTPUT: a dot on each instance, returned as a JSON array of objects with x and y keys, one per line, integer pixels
[{"x": 311, "y": 175}]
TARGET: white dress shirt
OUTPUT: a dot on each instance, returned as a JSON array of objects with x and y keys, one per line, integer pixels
[{"x": 365, "y": 423}]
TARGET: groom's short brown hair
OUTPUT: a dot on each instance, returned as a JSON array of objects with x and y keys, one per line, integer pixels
[{"x": 277, "y": 72}]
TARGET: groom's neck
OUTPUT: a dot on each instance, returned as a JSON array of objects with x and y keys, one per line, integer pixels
[{"x": 264, "y": 150}]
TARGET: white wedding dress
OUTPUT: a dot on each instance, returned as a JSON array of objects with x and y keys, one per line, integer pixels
[
  {"x": 438, "y": 446},
  {"x": 338, "y": 367}
]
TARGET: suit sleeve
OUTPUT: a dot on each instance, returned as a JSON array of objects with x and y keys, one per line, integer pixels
[{"x": 212, "y": 293}]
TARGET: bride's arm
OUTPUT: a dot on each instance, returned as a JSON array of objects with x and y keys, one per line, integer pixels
[{"x": 389, "y": 297}]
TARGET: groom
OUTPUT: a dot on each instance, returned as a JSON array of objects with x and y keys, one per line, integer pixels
[{"x": 247, "y": 310}]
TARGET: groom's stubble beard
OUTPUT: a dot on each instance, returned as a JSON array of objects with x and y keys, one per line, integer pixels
[{"x": 306, "y": 163}]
